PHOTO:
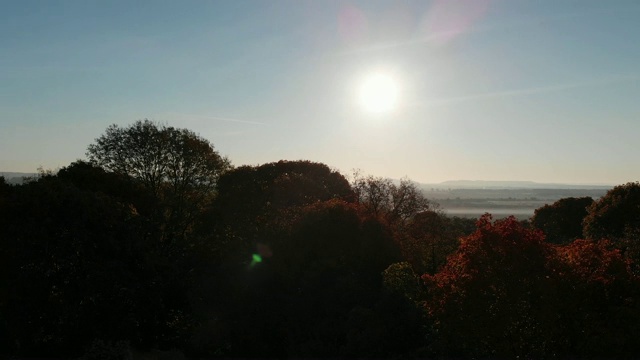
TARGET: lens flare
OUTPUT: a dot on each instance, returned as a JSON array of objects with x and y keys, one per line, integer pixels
[{"x": 255, "y": 259}]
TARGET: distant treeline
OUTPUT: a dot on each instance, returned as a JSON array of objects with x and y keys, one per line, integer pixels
[{"x": 156, "y": 246}]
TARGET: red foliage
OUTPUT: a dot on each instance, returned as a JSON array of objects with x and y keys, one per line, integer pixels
[
  {"x": 594, "y": 262},
  {"x": 597, "y": 300},
  {"x": 506, "y": 292},
  {"x": 492, "y": 281}
]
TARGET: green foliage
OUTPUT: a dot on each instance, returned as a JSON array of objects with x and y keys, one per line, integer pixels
[{"x": 399, "y": 278}]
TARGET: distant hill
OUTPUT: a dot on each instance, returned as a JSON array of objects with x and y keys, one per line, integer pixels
[
  {"x": 484, "y": 184},
  {"x": 16, "y": 177}
]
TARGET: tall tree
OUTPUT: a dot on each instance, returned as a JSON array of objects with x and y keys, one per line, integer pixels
[
  {"x": 159, "y": 155},
  {"x": 179, "y": 167}
]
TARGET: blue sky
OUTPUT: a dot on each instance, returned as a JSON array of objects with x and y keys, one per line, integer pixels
[{"x": 494, "y": 90}]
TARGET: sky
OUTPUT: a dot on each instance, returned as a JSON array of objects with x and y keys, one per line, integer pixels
[{"x": 545, "y": 91}]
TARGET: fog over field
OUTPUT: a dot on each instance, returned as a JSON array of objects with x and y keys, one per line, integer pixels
[{"x": 503, "y": 198}]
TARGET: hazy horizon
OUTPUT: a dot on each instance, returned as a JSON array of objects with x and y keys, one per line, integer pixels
[
  {"x": 479, "y": 182},
  {"x": 493, "y": 90}
]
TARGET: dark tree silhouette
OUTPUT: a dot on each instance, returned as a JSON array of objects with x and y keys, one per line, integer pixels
[
  {"x": 162, "y": 157},
  {"x": 396, "y": 203},
  {"x": 156, "y": 243},
  {"x": 427, "y": 239},
  {"x": 73, "y": 267},
  {"x": 561, "y": 221},
  {"x": 178, "y": 167},
  {"x": 615, "y": 214},
  {"x": 253, "y": 199}
]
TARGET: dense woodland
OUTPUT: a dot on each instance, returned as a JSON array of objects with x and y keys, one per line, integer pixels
[{"x": 156, "y": 246}]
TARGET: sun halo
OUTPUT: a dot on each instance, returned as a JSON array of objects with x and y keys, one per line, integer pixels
[{"x": 378, "y": 93}]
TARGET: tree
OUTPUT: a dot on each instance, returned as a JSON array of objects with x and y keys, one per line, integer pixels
[
  {"x": 396, "y": 203},
  {"x": 179, "y": 167},
  {"x": 596, "y": 301},
  {"x": 486, "y": 300},
  {"x": 616, "y": 214},
  {"x": 158, "y": 156},
  {"x": 294, "y": 301},
  {"x": 331, "y": 261},
  {"x": 73, "y": 262},
  {"x": 562, "y": 221},
  {"x": 252, "y": 199},
  {"x": 427, "y": 240},
  {"x": 507, "y": 293},
  {"x": 400, "y": 278},
  {"x": 90, "y": 177}
]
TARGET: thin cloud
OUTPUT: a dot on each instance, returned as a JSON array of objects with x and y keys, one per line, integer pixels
[{"x": 534, "y": 90}]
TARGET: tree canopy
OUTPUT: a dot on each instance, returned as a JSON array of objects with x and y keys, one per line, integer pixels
[
  {"x": 561, "y": 221},
  {"x": 161, "y": 157},
  {"x": 395, "y": 202},
  {"x": 156, "y": 246},
  {"x": 615, "y": 214},
  {"x": 178, "y": 167},
  {"x": 505, "y": 292}
]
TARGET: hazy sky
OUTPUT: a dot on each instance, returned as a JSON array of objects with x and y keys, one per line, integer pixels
[{"x": 536, "y": 90}]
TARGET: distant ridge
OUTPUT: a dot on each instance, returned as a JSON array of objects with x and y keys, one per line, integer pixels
[
  {"x": 16, "y": 177},
  {"x": 494, "y": 184}
]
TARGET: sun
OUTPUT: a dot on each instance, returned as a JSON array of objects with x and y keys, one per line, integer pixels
[{"x": 378, "y": 93}]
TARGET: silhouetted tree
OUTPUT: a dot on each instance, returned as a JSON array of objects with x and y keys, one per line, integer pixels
[
  {"x": 73, "y": 267},
  {"x": 396, "y": 203},
  {"x": 179, "y": 167},
  {"x": 614, "y": 214},
  {"x": 90, "y": 177},
  {"x": 253, "y": 199},
  {"x": 561, "y": 221},
  {"x": 332, "y": 262},
  {"x": 321, "y": 263},
  {"x": 428, "y": 239}
]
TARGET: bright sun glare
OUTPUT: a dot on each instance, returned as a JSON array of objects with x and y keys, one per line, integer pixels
[{"x": 378, "y": 93}]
